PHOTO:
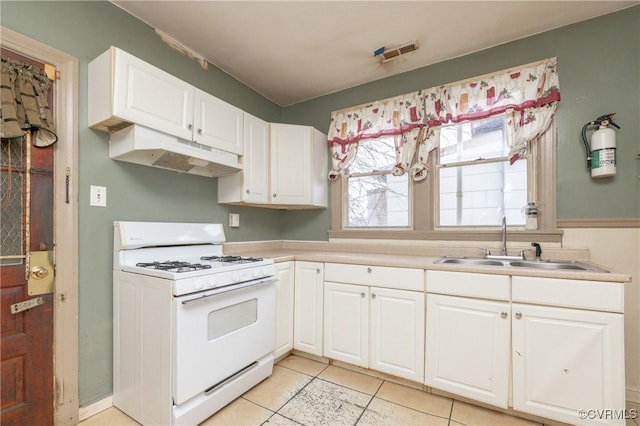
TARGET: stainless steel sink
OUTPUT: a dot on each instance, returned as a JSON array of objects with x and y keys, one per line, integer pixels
[
  {"x": 534, "y": 264},
  {"x": 470, "y": 261},
  {"x": 555, "y": 265}
]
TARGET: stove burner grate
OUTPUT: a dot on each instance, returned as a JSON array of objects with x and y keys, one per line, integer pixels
[
  {"x": 231, "y": 259},
  {"x": 173, "y": 266}
]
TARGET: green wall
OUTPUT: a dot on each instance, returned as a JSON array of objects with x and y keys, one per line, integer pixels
[
  {"x": 86, "y": 29},
  {"x": 599, "y": 70}
]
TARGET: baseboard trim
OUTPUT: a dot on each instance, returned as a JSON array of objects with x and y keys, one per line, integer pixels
[
  {"x": 633, "y": 395},
  {"x": 95, "y": 408},
  {"x": 605, "y": 222}
]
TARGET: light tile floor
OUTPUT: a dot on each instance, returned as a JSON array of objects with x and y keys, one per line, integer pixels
[{"x": 306, "y": 392}]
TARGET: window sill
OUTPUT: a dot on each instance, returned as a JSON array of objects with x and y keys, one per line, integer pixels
[{"x": 548, "y": 236}]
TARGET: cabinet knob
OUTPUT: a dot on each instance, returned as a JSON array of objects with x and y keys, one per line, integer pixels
[
  {"x": 373, "y": 295},
  {"x": 504, "y": 315},
  {"x": 362, "y": 294},
  {"x": 190, "y": 126},
  {"x": 199, "y": 131},
  {"x": 518, "y": 315},
  {"x": 318, "y": 271},
  {"x": 273, "y": 195},
  {"x": 247, "y": 191},
  {"x": 369, "y": 270}
]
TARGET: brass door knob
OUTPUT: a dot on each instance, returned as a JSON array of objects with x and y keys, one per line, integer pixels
[{"x": 39, "y": 272}]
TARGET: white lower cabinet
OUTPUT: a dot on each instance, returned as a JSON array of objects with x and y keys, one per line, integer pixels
[
  {"x": 396, "y": 337},
  {"x": 346, "y": 323},
  {"x": 375, "y": 327},
  {"x": 566, "y": 360},
  {"x": 560, "y": 358},
  {"x": 308, "y": 301},
  {"x": 468, "y": 347},
  {"x": 284, "y": 308}
]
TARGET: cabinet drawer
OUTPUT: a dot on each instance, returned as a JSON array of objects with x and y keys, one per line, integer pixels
[
  {"x": 593, "y": 295},
  {"x": 381, "y": 276},
  {"x": 483, "y": 286}
]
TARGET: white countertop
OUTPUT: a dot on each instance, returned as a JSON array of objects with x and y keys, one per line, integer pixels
[{"x": 420, "y": 262}]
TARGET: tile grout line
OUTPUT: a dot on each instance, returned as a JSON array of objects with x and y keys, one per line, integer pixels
[
  {"x": 294, "y": 395},
  {"x": 369, "y": 403}
]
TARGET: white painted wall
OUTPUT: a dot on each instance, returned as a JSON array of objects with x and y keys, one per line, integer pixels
[{"x": 618, "y": 250}]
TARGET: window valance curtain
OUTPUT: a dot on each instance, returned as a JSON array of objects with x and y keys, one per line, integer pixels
[
  {"x": 23, "y": 91},
  {"x": 527, "y": 96},
  {"x": 401, "y": 117}
]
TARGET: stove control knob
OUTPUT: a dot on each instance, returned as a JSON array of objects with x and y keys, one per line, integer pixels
[
  {"x": 212, "y": 282},
  {"x": 235, "y": 278},
  {"x": 258, "y": 274},
  {"x": 198, "y": 284}
]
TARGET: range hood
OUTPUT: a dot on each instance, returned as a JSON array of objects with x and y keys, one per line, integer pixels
[{"x": 142, "y": 145}]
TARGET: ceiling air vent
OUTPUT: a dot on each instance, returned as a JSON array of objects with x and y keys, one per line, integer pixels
[{"x": 394, "y": 52}]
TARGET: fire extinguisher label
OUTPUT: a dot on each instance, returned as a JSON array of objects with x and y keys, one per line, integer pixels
[{"x": 603, "y": 158}]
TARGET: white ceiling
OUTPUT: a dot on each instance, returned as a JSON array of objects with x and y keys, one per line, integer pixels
[{"x": 292, "y": 51}]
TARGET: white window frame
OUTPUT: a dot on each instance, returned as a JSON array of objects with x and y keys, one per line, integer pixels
[
  {"x": 532, "y": 177},
  {"x": 423, "y": 200}
]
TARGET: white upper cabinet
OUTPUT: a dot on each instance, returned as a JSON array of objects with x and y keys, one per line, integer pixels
[
  {"x": 125, "y": 90},
  {"x": 251, "y": 186},
  {"x": 290, "y": 168},
  {"x": 218, "y": 124},
  {"x": 298, "y": 166}
]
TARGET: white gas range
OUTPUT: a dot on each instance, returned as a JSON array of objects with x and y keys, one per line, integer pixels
[{"x": 193, "y": 328}]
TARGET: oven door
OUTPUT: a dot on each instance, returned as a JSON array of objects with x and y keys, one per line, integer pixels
[{"x": 218, "y": 333}]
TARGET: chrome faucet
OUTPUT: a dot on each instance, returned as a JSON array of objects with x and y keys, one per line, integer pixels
[{"x": 504, "y": 235}]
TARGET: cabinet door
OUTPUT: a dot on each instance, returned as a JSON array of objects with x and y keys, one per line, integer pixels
[
  {"x": 290, "y": 164},
  {"x": 284, "y": 308},
  {"x": 565, "y": 360},
  {"x": 346, "y": 323},
  {"x": 397, "y": 332},
  {"x": 467, "y": 350},
  {"x": 218, "y": 124},
  {"x": 146, "y": 95},
  {"x": 256, "y": 160},
  {"x": 307, "y": 326}
]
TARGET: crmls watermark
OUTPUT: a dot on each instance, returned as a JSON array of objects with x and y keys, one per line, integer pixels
[{"x": 608, "y": 414}]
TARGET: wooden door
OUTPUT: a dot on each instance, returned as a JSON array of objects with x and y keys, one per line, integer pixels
[{"x": 26, "y": 337}]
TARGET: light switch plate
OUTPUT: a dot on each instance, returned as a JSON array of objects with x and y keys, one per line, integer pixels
[
  {"x": 98, "y": 196},
  {"x": 234, "y": 220}
]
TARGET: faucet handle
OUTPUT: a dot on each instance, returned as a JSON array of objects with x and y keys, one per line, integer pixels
[
  {"x": 487, "y": 252},
  {"x": 538, "y": 250}
]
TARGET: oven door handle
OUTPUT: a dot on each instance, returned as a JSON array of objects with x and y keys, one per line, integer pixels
[{"x": 235, "y": 288}]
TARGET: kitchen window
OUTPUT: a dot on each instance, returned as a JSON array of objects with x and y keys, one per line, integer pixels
[
  {"x": 374, "y": 196},
  {"x": 476, "y": 184},
  {"x": 448, "y": 162}
]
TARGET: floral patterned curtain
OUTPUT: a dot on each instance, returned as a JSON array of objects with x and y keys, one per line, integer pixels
[
  {"x": 527, "y": 96},
  {"x": 401, "y": 117},
  {"x": 23, "y": 91}
]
